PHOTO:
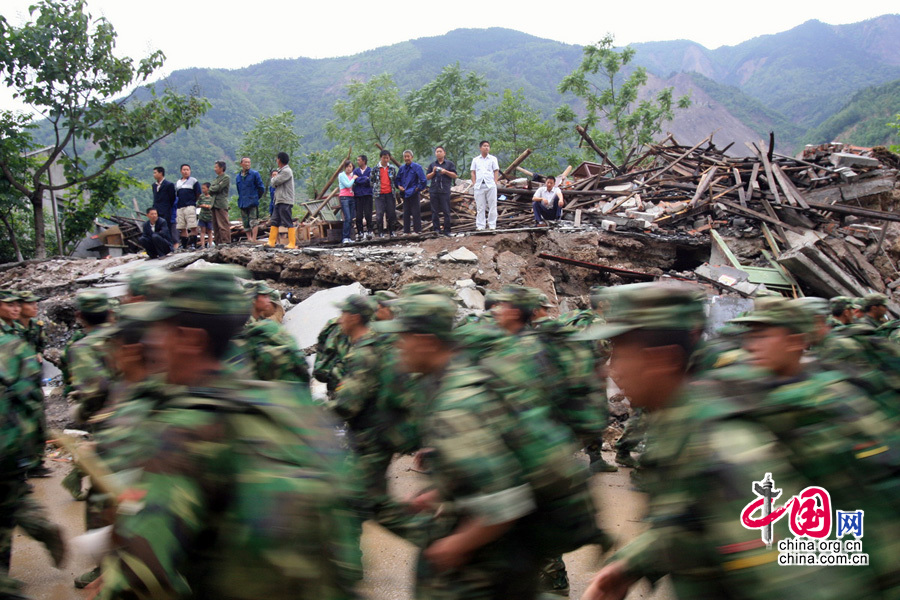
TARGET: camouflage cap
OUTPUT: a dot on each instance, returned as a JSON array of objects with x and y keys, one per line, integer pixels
[
  {"x": 648, "y": 306},
  {"x": 274, "y": 295},
  {"x": 842, "y": 303},
  {"x": 144, "y": 282},
  {"x": 815, "y": 306},
  {"x": 132, "y": 319},
  {"x": 29, "y": 297},
  {"x": 545, "y": 301},
  {"x": 422, "y": 288},
  {"x": 92, "y": 301},
  {"x": 519, "y": 297},
  {"x": 357, "y": 304},
  {"x": 382, "y": 297},
  {"x": 212, "y": 290},
  {"x": 432, "y": 314},
  {"x": 870, "y": 300},
  {"x": 9, "y": 296},
  {"x": 779, "y": 312},
  {"x": 491, "y": 298}
]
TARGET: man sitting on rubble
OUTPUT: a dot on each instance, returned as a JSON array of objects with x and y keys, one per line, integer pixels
[
  {"x": 155, "y": 237},
  {"x": 548, "y": 202}
]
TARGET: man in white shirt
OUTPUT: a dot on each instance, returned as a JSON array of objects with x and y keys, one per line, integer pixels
[
  {"x": 485, "y": 175},
  {"x": 548, "y": 202}
]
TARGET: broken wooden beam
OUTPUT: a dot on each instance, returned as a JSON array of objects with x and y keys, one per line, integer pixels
[{"x": 624, "y": 273}]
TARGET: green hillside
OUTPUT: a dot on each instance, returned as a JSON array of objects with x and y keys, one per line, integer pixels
[{"x": 863, "y": 120}]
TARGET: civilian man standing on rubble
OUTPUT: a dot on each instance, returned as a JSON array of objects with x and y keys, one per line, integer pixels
[
  {"x": 281, "y": 218},
  {"x": 385, "y": 204},
  {"x": 218, "y": 189},
  {"x": 442, "y": 173},
  {"x": 164, "y": 201},
  {"x": 485, "y": 176},
  {"x": 187, "y": 190},
  {"x": 411, "y": 181},
  {"x": 250, "y": 190}
]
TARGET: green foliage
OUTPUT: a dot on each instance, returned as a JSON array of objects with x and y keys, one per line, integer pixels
[
  {"x": 513, "y": 125},
  {"x": 15, "y": 141},
  {"x": 444, "y": 112},
  {"x": 374, "y": 114},
  {"x": 262, "y": 143},
  {"x": 62, "y": 64},
  {"x": 863, "y": 120},
  {"x": 611, "y": 100},
  {"x": 895, "y": 125}
]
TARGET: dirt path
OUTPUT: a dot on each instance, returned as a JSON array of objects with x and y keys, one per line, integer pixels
[{"x": 389, "y": 561}]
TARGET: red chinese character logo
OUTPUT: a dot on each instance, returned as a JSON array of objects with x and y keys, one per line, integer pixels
[{"x": 811, "y": 513}]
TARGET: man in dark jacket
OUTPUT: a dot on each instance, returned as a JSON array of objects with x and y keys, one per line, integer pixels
[
  {"x": 155, "y": 235},
  {"x": 410, "y": 181},
  {"x": 362, "y": 192},
  {"x": 164, "y": 199}
]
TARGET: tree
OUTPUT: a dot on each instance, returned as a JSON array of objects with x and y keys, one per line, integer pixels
[
  {"x": 61, "y": 63},
  {"x": 268, "y": 137},
  {"x": 514, "y": 126},
  {"x": 613, "y": 102},
  {"x": 895, "y": 125},
  {"x": 373, "y": 114},
  {"x": 444, "y": 111}
]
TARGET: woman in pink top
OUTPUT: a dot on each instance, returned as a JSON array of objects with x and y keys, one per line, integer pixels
[{"x": 348, "y": 202}]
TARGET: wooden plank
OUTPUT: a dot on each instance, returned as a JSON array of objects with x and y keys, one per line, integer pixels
[
  {"x": 703, "y": 185},
  {"x": 512, "y": 166},
  {"x": 590, "y": 142},
  {"x": 732, "y": 207},
  {"x": 788, "y": 186}
]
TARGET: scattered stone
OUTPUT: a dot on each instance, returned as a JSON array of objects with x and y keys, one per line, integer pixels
[
  {"x": 462, "y": 254},
  {"x": 471, "y": 298},
  {"x": 307, "y": 319},
  {"x": 466, "y": 283}
]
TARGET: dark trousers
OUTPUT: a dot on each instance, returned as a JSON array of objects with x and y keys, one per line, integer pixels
[
  {"x": 221, "y": 226},
  {"x": 363, "y": 211},
  {"x": 412, "y": 208},
  {"x": 385, "y": 206},
  {"x": 541, "y": 212},
  {"x": 155, "y": 246},
  {"x": 440, "y": 203}
]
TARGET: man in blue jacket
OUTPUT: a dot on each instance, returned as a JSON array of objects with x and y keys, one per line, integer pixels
[
  {"x": 410, "y": 181},
  {"x": 250, "y": 189},
  {"x": 362, "y": 194}
]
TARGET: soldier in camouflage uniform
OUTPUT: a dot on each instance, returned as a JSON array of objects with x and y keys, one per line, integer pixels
[
  {"x": 18, "y": 392},
  {"x": 841, "y": 312},
  {"x": 377, "y": 399},
  {"x": 332, "y": 346},
  {"x": 33, "y": 327},
  {"x": 10, "y": 309},
  {"x": 239, "y": 489},
  {"x": 513, "y": 495},
  {"x": 712, "y": 438},
  {"x": 264, "y": 349},
  {"x": 383, "y": 299},
  {"x": 89, "y": 364},
  {"x": 874, "y": 307}
]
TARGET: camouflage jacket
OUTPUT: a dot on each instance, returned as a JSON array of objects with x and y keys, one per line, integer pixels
[
  {"x": 871, "y": 359},
  {"x": 266, "y": 351},
  {"x": 505, "y": 460},
  {"x": 18, "y": 396},
  {"x": 724, "y": 433},
  {"x": 240, "y": 493},
  {"x": 34, "y": 335},
  {"x": 90, "y": 371},
  {"x": 15, "y": 328},
  {"x": 331, "y": 348},
  {"x": 378, "y": 400},
  {"x": 65, "y": 360}
]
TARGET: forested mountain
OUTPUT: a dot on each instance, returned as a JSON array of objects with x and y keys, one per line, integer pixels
[{"x": 799, "y": 83}]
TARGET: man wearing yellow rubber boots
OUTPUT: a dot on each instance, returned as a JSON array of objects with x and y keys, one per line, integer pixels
[{"x": 281, "y": 220}]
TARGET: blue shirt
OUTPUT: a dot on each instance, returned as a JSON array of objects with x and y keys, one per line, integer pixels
[
  {"x": 250, "y": 188},
  {"x": 363, "y": 184},
  {"x": 411, "y": 178}
]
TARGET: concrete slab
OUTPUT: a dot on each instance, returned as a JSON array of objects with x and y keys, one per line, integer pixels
[
  {"x": 307, "y": 319},
  {"x": 471, "y": 298}
]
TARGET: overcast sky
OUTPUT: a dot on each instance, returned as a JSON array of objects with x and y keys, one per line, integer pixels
[{"x": 213, "y": 33}]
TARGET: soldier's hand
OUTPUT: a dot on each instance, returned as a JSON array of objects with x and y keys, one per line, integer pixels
[
  {"x": 94, "y": 588},
  {"x": 450, "y": 552},
  {"x": 611, "y": 583},
  {"x": 426, "y": 501}
]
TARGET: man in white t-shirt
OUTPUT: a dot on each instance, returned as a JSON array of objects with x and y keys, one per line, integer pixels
[
  {"x": 485, "y": 175},
  {"x": 548, "y": 202}
]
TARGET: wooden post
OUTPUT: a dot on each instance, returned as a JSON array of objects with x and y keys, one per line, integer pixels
[
  {"x": 336, "y": 172},
  {"x": 590, "y": 142},
  {"x": 512, "y": 166}
]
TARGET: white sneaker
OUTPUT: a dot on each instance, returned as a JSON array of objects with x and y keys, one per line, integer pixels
[{"x": 346, "y": 241}]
